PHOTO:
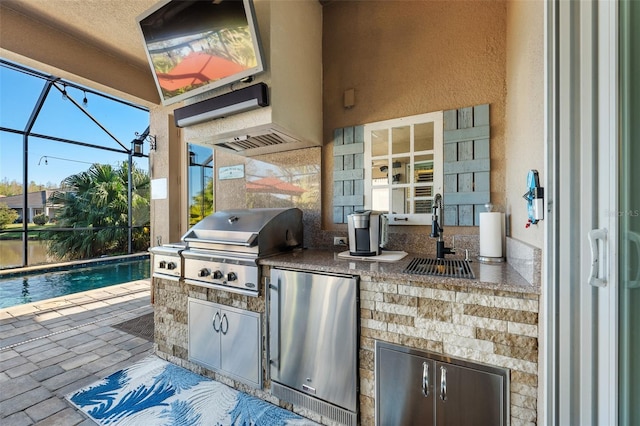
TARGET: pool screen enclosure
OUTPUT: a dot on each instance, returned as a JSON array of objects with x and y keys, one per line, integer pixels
[{"x": 64, "y": 87}]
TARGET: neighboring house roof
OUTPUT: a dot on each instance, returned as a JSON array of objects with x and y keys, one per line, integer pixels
[
  {"x": 275, "y": 186},
  {"x": 34, "y": 199}
]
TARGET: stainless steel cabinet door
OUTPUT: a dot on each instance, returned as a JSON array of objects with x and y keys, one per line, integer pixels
[
  {"x": 468, "y": 397},
  {"x": 313, "y": 335},
  {"x": 204, "y": 341},
  {"x": 226, "y": 339},
  {"x": 240, "y": 344},
  {"x": 405, "y": 389}
]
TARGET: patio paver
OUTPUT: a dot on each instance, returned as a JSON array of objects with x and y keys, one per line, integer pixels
[{"x": 53, "y": 347}]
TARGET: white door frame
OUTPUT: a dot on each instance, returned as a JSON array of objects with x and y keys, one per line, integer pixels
[
  {"x": 580, "y": 326},
  {"x": 609, "y": 207}
]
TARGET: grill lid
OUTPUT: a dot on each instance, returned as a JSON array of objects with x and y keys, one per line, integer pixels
[{"x": 259, "y": 231}]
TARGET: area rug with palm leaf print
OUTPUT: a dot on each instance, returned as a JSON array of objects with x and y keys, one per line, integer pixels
[{"x": 156, "y": 392}]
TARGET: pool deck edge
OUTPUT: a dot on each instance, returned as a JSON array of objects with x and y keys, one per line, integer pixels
[{"x": 9, "y": 272}]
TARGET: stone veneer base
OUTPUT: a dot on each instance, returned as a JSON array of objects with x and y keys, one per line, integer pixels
[{"x": 481, "y": 325}]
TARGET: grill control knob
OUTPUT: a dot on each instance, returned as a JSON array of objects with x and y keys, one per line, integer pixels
[
  {"x": 231, "y": 276},
  {"x": 171, "y": 266},
  {"x": 217, "y": 275},
  {"x": 162, "y": 264},
  {"x": 204, "y": 272}
]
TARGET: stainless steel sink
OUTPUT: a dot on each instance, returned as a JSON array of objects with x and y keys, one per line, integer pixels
[{"x": 454, "y": 268}]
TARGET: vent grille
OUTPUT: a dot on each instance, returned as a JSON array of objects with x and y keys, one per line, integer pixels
[
  {"x": 252, "y": 142},
  {"x": 337, "y": 414},
  {"x": 454, "y": 268}
]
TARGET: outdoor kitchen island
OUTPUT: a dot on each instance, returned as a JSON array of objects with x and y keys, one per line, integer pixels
[{"x": 490, "y": 320}]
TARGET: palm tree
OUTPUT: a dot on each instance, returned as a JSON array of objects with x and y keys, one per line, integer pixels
[{"x": 95, "y": 201}]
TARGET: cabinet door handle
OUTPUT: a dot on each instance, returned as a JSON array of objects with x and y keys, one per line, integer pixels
[
  {"x": 595, "y": 235},
  {"x": 443, "y": 383},
  {"x": 425, "y": 378},
  {"x": 222, "y": 324},
  {"x": 215, "y": 317}
]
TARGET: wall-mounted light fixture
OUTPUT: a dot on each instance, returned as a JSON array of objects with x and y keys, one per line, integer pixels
[
  {"x": 138, "y": 142},
  {"x": 136, "y": 147}
]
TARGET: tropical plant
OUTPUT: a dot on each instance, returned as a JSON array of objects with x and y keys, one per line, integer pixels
[
  {"x": 95, "y": 202},
  {"x": 201, "y": 204},
  {"x": 40, "y": 219},
  {"x": 7, "y": 215}
]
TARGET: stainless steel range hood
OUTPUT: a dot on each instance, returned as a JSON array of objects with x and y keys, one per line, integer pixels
[{"x": 261, "y": 140}]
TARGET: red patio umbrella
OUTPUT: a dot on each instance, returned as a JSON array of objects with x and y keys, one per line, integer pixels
[
  {"x": 197, "y": 68},
  {"x": 274, "y": 185}
]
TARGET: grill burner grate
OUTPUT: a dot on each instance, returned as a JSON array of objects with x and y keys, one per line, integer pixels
[{"x": 453, "y": 268}]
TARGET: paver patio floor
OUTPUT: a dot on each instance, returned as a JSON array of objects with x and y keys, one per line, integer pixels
[{"x": 56, "y": 346}]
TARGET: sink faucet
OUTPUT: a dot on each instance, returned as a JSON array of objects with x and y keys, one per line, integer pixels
[{"x": 436, "y": 231}]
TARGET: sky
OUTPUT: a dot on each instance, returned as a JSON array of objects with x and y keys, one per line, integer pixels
[{"x": 49, "y": 162}]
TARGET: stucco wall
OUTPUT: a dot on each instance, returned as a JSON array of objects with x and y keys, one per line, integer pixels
[
  {"x": 166, "y": 168},
  {"x": 410, "y": 57},
  {"x": 524, "y": 128}
]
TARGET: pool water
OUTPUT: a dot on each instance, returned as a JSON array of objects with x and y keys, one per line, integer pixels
[{"x": 33, "y": 288}]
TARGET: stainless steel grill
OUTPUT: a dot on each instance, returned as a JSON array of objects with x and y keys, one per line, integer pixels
[
  {"x": 223, "y": 249},
  {"x": 454, "y": 268}
]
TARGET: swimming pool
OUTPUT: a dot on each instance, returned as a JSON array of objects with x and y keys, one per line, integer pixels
[{"x": 33, "y": 288}]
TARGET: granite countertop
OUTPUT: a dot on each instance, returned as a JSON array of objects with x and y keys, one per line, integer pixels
[{"x": 498, "y": 277}]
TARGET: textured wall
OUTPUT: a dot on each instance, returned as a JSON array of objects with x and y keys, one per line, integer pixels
[
  {"x": 525, "y": 111},
  {"x": 410, "y": 57},
  {"x": 167, "y": 162}
]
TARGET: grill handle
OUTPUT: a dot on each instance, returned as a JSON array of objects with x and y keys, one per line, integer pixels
[
  {"x": 248, "y": 243},
  {"x": 274, "y": 313}
]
